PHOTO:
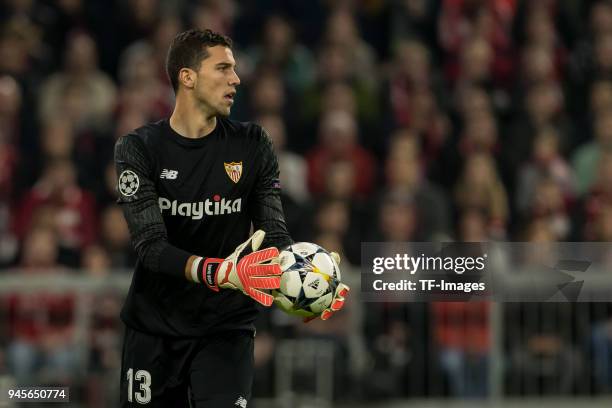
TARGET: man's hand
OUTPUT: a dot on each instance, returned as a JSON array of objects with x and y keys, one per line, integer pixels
[
  {"x": 247, "y": 269},
  {"x": 336, "y": 304}
]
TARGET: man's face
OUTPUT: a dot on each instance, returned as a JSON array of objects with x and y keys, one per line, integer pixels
[{"x": 217, "y": 80}]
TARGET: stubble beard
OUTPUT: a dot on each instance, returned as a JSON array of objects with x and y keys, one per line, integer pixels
[{"x": 211, "y": 110}]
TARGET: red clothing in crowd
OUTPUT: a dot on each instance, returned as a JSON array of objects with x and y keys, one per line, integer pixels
[
  {"x": 455, "y": 31},
  {"x": 72, "y": 208},
  {"x": 462, "y": 325},
  {"x": 31, "y": 317},
  {"x": 320, "y": 158}
]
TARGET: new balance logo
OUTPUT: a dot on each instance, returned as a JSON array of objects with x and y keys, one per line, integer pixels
[
  {"x": 241, "y": 402},
  {"x": 168, "y": 174}
]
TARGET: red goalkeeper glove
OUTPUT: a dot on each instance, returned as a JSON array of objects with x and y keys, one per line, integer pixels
[
  {"x": 247, "y": 269},
  {"x": 337, "y": 301}
]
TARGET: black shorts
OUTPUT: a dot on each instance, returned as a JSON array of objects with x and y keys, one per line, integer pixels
[{"x": 215, "y": 371}]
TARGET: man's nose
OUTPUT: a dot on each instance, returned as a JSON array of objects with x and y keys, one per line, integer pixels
[{"x": 235, "y": 80}]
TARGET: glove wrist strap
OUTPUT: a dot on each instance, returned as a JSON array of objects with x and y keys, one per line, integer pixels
[
  {"x": 204, "y": 270},
  {"x": 210, "y": 268}
]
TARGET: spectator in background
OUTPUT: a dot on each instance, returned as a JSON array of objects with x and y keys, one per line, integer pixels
[
  {"x": 41, "y": 324},
  {"x": 279, "y": 52},
  {"x": 398, "y": 353},
  {"x": 600, "y": 100},
  {"x": 10, "y": 161},
  {"x": 538, "y": 66},
  {"x": 169, "y": 25},
  {"x": 476, "y": 34},
  {"x": 71, "y": 210},
  {"x": 94, "y": 154},
  {"x": 339, "y": 97},
  {"x": 463, "y": 335},
  {"x": 107, "y": 189},
  {"x": 338, "y": 135},
  {"x": 543, "y": 360},
  {"x": 104, "y": 351},
  {"x": 600, "y": 18},
  {"x": 143, "y": 63},
  {"x": 546, "y": 162},
  {"x": 142, "y": 90},
  {"x": 268, "y": 95},
  {"x": 480, "y": 188},
  {"x": 340, "y": 188},
  {"x": 341, "y": 180},
  {"x": 587, "y": 157},
  {"x": 81, "y": 89},
  {"x": 548, "y": 205},
  {"x": 602, "y": 226},
  {"x": 333, "y": 217},
  {"x": 136, "y": 20},
  {"x": 601, "y": 340},
  {"x": 414, "y": 91},
  {"x": 475, "y": 61},
  {"x": 415, "y": 19},
  {"x": 216, "y": 15},
  {"x": 539, "y": 29},
  {"x": 479, "y": 135},
  {"x": 603, "y": 55},
  {"x": 8, "y": 242},
  {"x": 115, "y": 238},
  {"x": 60, "y": 142},
  {"x": 10, "y": 110},
  {"x": 397, "y": 219},
  {"x": 57, "y": 140},
  {"x": 341, "y": 31},
  {"x": 470, "y": 102},
  {"x": 333, "y": 66},
  {"x": 334, "y": 243},
  {"x": 339, "y": 219},
  {"x": 405, "y": 178},
  {"x": 95, "y": 261},
  {"x": 544, "y": 105},
  {"x": 472, "y": 227},
  {"x": 599, "y": 196},
  {"x": 583, "y": 68},
  {"x": 40, "y": 250},
  {"x": 293, "y": 168},
  {"x": 22, "y": 51}
]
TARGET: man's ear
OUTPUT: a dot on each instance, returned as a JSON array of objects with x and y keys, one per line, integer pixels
[{"x": 187, "y": 77}]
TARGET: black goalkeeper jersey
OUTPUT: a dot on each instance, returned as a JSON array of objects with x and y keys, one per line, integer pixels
[{"x": 184, "y": 196}]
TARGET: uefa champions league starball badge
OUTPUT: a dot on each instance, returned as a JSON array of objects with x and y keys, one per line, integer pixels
[{"x": 128, "y": 183}]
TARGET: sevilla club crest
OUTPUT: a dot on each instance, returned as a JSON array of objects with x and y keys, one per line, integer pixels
[{"x": 234, "y": 170}]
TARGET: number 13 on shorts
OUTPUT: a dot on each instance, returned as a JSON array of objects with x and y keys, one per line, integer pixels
[{"x": 139, "y": 386}]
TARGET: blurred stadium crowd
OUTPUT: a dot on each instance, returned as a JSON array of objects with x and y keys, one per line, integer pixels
[{"x": 398, "y": 120}]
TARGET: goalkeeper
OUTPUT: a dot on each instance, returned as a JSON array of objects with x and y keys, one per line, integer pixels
[{"x": 190, "y": 187}]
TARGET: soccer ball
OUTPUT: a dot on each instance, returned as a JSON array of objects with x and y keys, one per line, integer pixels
[{"x": 310, "y": 278}]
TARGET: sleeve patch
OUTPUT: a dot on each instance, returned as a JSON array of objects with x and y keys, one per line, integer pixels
[{"x": 128, "y": 183}]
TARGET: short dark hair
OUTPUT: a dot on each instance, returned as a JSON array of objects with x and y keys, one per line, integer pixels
[{"x": 189, "y": 48}]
